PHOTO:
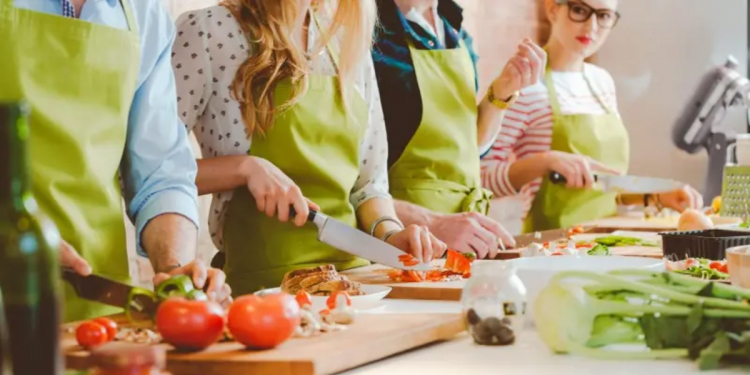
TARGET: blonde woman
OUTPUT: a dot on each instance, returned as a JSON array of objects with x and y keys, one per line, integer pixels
[{"x": 283, "y": 99}]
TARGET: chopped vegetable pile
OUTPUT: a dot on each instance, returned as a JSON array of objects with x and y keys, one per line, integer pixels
[
  {"x": 675, "y": 316},
  {"x": 701, "y": 268},
  {"x": 457, "y": 266}
]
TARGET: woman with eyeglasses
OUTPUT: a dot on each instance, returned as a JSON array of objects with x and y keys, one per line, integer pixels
[{"x": 569, "y": 124}]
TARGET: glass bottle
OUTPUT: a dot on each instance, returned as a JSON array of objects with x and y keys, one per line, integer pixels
[
  {"x": 121, "y": 358},
  {"x": 29, "y": 247},
  {"x": 5, "y": 364},
  {"x": 494, "y": 303}
]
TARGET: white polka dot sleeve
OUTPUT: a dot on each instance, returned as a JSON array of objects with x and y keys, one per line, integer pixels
[
  {"x": 373, "y": 168},
  {"x": 192, "y": 69}
]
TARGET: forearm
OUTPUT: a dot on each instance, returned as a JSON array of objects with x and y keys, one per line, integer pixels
[
  {"x": 225, "y": 173},
  {"x": 412, "y": 214},
  {"x": 489, "y": 123},
  {"x": 169, "y": 240},
  {"x": 526, "y": 170},
  {"x": 634, "y": 199},
  {"x": 374, "y": 209}
]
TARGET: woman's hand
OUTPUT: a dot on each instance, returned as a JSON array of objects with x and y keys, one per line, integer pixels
[
  {"x": 524, "y": 69},
  {"x": 577, "y": 169},
  {"x": 275, "y": 192},
  {"x": 681, "y": 200},
  {"x": 419, "y": 242}
]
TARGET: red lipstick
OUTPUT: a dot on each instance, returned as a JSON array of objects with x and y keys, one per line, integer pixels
[{"x": 584, "y": 40}]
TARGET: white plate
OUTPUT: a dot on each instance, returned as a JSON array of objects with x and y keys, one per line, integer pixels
[
  {"x": 371, "y": 299},
  {"x": 535, "y": 272}
]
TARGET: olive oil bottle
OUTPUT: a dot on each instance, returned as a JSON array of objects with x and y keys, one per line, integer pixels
[{"x": 29, "y": 248}]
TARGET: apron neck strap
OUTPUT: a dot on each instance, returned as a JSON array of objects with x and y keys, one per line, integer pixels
[
  {"x": 126, "y": 7},
  {"x": 554, "y": 100},
  {"x": 329, "y": 48}
]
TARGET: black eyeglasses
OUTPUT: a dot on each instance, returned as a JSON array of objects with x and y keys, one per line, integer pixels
[{"x": 582, "y": 12}]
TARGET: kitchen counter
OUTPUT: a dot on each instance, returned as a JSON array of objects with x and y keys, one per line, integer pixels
[{"x": 528, "y": 356}]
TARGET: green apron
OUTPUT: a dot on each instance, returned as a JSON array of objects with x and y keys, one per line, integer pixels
[
  {"x": 439, "y": 169},
  {"x": 79, "y": 79},
  {"x": 316, "y": 143},
  {"x": 601, "y": 137}
]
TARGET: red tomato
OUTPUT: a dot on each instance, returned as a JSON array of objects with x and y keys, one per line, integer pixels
[
  {"x": 303, "y": 298},
  {"x": 715, "y": 265},
  {"x": 331, "y": 301},
  {"x": 190, "y": 325},
  {"x": 90, "y": 334},
  {"x": 109, "y": 325},
  {"x": 263, "y": 322},
  {"x": 724, "y": 268}
]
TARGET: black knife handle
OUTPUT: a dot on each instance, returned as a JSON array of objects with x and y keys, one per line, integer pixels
[
  {"x": 559, "y": 179},
  {"x": 310, "y": 216}
]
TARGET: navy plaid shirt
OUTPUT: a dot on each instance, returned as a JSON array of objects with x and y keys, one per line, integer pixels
[
  {"x": 399, "y": 90},
  {"x": 67, "y": 9}
]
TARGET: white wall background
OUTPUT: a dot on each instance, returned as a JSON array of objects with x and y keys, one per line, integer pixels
[{"x": 657, "y": 55}]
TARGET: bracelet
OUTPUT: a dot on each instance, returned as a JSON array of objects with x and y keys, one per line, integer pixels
[
  {"x": 382, "y": 220},
  {"x": 390, "y": 233}
]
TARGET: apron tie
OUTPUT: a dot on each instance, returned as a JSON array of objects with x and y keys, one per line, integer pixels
[{"x": 476, "y": 199}]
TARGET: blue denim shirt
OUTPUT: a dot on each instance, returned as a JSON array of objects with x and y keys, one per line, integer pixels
[
  {"x": 399, "y": 90},
  {"x": 158, "y": 168}
]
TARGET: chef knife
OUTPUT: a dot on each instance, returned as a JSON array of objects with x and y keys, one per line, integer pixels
[
  {"x": 353, "y": 241},
  {"x": 525, "y": 240},
  {"x": 109, "y": 292},
  {"x": 627, "y": 184}
]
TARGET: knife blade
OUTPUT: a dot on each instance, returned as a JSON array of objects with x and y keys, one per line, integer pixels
[
  {"x": 525, "y": 240},
  {"x": 627, "y": 184},
  {"x": 103, "y": 290},
  {"x": 353, "y": 241}
]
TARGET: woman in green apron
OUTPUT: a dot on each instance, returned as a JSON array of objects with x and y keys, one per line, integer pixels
[
  {"x": 569, "y": 124},
  {"x": 307, "y": 130},
  {"x": 426, "y": 72}
]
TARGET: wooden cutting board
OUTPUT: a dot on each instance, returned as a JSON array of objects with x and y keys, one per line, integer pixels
[
  {"x": 426, "y": 290},
  {"x": 635, "y": 224},
  {"x": 372, "y": 337}
]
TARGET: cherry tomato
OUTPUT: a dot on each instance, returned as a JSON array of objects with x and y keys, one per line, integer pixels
[
  {"x": 303, "y": 298},
  {"x": 331, "y": 301},
  {"x": 109, "y": 325},
  {"x": 716, "y": 265},
  {"x": 90, "y": 335},
  {"x": 263, "y": 322},
  {"x": 190, "y": 325}
]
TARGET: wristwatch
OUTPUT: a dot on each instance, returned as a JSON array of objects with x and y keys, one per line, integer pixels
[{"x": 501, "y": 104}]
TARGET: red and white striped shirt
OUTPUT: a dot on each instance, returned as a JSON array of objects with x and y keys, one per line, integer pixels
[{"x": 527, "y": 127}]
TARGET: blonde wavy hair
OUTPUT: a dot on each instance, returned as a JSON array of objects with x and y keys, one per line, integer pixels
[{"x": 269, "y": 25}]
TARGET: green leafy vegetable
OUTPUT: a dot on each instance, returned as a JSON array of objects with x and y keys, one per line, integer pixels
[
  {"x": 598, "y": 249},
  {"x": 674, "y": 316},
  {"x": 745, "y": 224},
  {"x": 619, "y": 241}
]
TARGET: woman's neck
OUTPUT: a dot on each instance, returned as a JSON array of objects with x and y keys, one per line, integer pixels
[{"x": 561, "y": 60}]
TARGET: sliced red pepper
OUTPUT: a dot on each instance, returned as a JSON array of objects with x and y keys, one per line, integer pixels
[
  {"x": 409, "y": 263},
  {"x": 450, "y": 261},
  {"x": 405, "y": 257}
]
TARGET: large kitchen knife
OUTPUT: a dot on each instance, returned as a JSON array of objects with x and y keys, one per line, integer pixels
[
  {"x": 353, "y": 241},
  {"x": 109, "y": 292},
  {"x": 627, "y": 184}
]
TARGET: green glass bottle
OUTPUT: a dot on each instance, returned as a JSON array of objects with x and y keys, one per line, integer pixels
[{"x": 29, "y": 250}]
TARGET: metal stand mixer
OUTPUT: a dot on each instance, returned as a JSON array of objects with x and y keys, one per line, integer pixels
[{"x": 701, "y": 125}]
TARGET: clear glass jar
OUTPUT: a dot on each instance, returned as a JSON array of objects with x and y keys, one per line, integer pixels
[{"x": 494, "y": 303}]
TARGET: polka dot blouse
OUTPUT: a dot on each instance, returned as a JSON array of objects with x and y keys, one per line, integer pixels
[{"x": 209, "y": 49}]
